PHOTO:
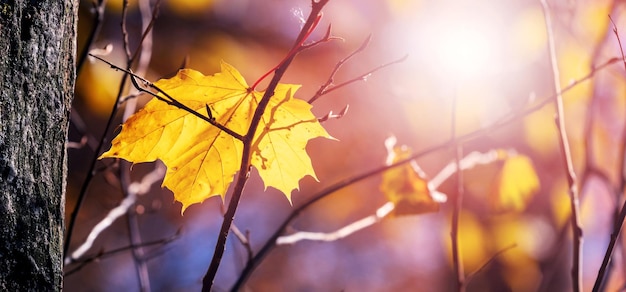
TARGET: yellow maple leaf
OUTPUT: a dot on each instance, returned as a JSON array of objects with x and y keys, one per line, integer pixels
[
  {"x": 406, "y": 186},
  {"x": 202, "y": 159}
]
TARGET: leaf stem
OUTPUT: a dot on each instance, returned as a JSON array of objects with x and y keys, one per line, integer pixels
[{"x": 577, "y": 232}]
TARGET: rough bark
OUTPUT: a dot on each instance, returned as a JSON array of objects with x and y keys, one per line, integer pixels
[{"x": 37, "y": 45}]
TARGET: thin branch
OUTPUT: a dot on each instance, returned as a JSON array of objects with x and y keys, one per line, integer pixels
[
  {"x": 169, "y": 99},
  {"x": 619, "y": 221},
  {"x": 103, "y": 254},
  {"x": 329, "y": 82},
  {"x": 98, "y": 8},
  {"x": 91, "y": 173},
  {"x": 330, "y": 115},
  {"x": 472, "y": 275},
  {"x": 134, "y": 190},
  {"x": 304, "y": 34},
  {"x": 343, "y": 232},
  {"x": 99, "y": 11},
  {"x": 457, "y": 206},
  {"x": 81, "y": 127},
  {"x": 103, "y": 140},
  {"x": 326, "y": 38},
  {"x": 469, "y": 161},
  {"x": 577, "y": 232},
  {"x": 244, "y": 239},
  {"x": 313, "y": 19},
  {"x": 590, "y": 167},
  {"x": 328, "y": 86},
  {"x": 148, "y": 16}
]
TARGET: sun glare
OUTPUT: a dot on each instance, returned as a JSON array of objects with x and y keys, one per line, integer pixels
[
  {"x": 462, "y": 52},
  {"x": 456, "y": 42}
]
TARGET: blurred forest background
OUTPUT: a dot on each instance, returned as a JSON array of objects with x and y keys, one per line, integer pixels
[{"x": 489, "y": 56}]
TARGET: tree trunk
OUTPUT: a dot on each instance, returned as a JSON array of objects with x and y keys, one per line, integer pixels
[{"x": 37, "y": 45}]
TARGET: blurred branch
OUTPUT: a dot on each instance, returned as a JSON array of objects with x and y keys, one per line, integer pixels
[
  {"x": 98, "y": 9},
  {"x": 103, "y": 254},
  {"x": 134, "y": 189},
  {"x": 345, "y": 231},
  {"x": 619, "y": 221},
  {"x": 331, "y": 115},
  {"x": 577, "y": 232},
  {"x": 457, "y": 206},
  {"x": 87, "y": 138},
  {"x": 244, "y": 239},
  {"x": 472, "y": 275},
  {"x": 308, "y": 27},
  {"x": 471, "y": 160},
  {"x": 148, "y": 16},
  {"x": 99, "y": 14},
  {"x": 94, "y": 159},
  {"x": 468, "y": 162},
  {"x": 91, "y": 172}
]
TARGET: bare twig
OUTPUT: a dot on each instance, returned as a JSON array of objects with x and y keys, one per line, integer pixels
[
  {"x": 145, "y": 47},
  {"x": 98, "y": 8},
  {"x": 91, "y": 172},
  {"x": 103, "y": 140},
  {"x": 619, "y": 221},
  {"x": 81, "y": 127},
  {"x": 327, "y": 38},
  {"x": 590, "y": 168},
  {"x": 339, "y": 64},
  {"x": 472, "y": 275},
  {"x": 331, "y": 115},
  {"x": 469, "y": 161},
  {"x": 567, "y": 158},
  {"x": 457, "y": 206},
  {"x": 244, "y": 239},
  {"x": 134, "y": 190},
  {"x": 103, "y": 254},
  {"x": 168, "y": 98},
  {"x": 99, "y": 11},
  {"x": 329, "y": 85},
  {"x": 343, "y": 232}
]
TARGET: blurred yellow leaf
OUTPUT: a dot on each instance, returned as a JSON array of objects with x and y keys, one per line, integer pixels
[
  {"x": 406, "y": 186},
  {"x": 528, "y": 34},
  {"x": 474, "y": 241},
  {"x": 202, "y": 159},
  {"x": 185, "y": 7},
  {"x": 541, "y": 133},
  {"x": 517, "y": 182}
]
